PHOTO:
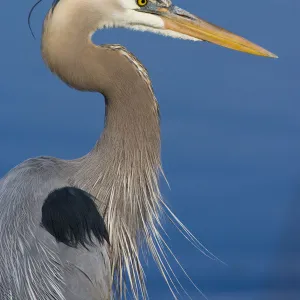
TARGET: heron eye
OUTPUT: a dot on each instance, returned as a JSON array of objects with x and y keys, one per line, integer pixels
[{"x": 141, "y": 3}]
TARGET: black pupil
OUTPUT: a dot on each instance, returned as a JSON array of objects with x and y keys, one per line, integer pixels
[{"x": 143, "y": 2}]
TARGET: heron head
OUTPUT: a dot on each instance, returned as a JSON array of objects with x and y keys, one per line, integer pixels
[
  {"x": 162, "y": 17},
  {"x": 158, "y": 16}
]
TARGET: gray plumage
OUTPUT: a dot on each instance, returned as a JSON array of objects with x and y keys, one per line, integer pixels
[
  {"x": 121, "y": 173},
  {"x": 32, "y": 264}
]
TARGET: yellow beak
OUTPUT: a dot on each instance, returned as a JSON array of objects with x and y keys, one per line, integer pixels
[{"x": 179, "y": 20}]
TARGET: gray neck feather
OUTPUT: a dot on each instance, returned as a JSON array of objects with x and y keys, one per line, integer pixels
[{"x": 122, "y": 169}]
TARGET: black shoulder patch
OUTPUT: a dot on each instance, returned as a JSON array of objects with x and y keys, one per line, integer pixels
[{"x": 71, "y": 216}]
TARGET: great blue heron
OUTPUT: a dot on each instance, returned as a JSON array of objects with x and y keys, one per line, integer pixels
[{"x": 54, "y": 241}]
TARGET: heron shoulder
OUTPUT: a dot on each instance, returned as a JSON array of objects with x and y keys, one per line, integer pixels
[
  {"x": 30, "y": 254},
  {"x": 24, "y": 188}
]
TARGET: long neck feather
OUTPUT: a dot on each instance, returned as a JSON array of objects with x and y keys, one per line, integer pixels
[
  {"x": 122, "y": 169},
  {"x": 122, "y": 172}
]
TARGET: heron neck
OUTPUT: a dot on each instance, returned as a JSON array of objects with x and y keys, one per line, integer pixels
[
  {"x": 130, "y": 141},
  {"x": 122, "y": 169}
]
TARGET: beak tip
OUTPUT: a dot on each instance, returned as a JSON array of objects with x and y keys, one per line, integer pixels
[{"x": 272, "y": 55}]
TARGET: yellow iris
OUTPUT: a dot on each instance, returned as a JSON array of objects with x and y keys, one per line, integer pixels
[{"x": 141, "y": 3}]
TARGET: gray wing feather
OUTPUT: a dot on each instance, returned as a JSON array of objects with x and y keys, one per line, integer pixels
[{"x": 33, "y": 266}]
